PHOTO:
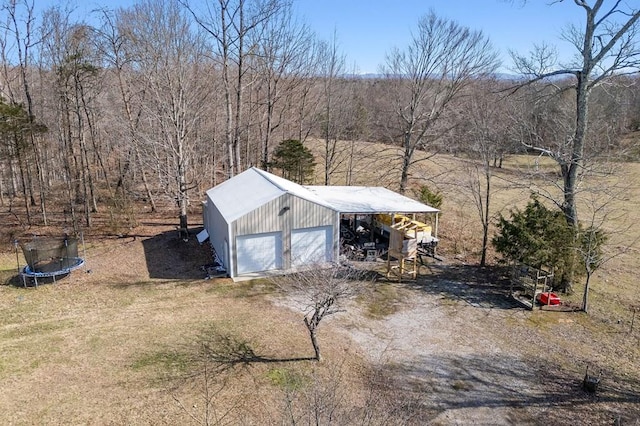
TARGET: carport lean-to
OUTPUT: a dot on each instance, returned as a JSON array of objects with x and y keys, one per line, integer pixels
[
  {"x": 376, "y": 220},
  {"x": 259, "y": 223}
]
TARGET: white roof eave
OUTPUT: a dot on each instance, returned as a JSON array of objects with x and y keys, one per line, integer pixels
[{"x": 369, "y": 200}]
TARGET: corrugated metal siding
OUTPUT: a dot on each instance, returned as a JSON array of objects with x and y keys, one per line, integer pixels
[
  {"x": 263, "y": 219},
  {"x": 273, "y": 216},
  {"x": 283, "y": 214},
  {"x": 308, "y": 215}
]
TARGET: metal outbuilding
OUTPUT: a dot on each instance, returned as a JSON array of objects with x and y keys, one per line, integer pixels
[{"x": 260, "y": 223}]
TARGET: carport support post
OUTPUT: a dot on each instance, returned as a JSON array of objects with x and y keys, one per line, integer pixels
[
  {"x": 393, "y": 220},
  {"x": 435, "y": 233}
]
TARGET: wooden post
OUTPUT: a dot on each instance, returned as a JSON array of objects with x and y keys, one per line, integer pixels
[{"x": 535, "y": 290}]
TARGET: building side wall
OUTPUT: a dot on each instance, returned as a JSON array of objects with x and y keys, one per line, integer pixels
[{"x": 218, "y": 230}]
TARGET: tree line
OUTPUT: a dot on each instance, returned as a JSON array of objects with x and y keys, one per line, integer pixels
[{"x": 161, "y": 100}]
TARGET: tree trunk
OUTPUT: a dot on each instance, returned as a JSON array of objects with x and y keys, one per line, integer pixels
[
  {"x": 32, "y": 199},
  {"x": 570, "y": 172},
  {"x": 182, "y": 190},
  {"x": 329, "y": 150},
  {"x": 183, "y": 223},
  {"x": 97, "y": 156},
  {"x": 12, "y": 176},
  {"x": 86, "y": 175},
  {"x": 314, "y": 340},
  {"x": 41, "y": 182},
  {"x": 228, "y": 108},
  {"x": 145, "y": 182},
  {"x": 239, "y": 89},
  {"x": 24, "y": 187},
  {"x": 349, "y": 178},
  {"x": 406, "y": 163},
  {"x": 485, "y": 221},
  {"x": 267, "y": 135},
  {"x": 585, "y": 296}
]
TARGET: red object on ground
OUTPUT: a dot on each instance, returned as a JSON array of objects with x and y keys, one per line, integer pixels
[{"x": 548, "y": 298}]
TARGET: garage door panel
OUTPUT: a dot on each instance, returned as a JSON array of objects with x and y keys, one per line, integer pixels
[
  {"x": 311, "y": 245},
  {"x": 259, "y": 252}
]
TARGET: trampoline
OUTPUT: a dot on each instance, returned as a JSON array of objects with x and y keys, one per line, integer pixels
[{"x": 49, "y": 258}]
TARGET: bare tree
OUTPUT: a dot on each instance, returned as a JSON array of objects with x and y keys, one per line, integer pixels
[
  {"x": 597, "y": 241},
  {"x": 230, "y": 23},
  {"x": 607, "y": 45},
  {"x": 169, "y": 54},
  {"x": 331, "y": 64},
  {"x": 283, "y": 47},
  {"x": 442, "y": 58},
  {"x": 357, "y": 118},
  {"x": 20, "y": 25},
  {"x": 321, "y": 291},
  {"x": 485, "y": 137},
  {"x": 119, "y": 54},
  {"x": 68, "y": 49}
]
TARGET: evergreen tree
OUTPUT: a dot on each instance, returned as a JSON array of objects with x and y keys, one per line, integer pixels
[
  {"x": 431, "y": 198},
  {"x": 294, "y": 160},
  {"x": 537, "y": 237}
]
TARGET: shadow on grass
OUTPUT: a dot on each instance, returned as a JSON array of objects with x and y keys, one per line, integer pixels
[
  {"x": 226, "y": 351},
  {"x": 16, "y": 280},
  {"x": 480, "y": 287},
  {"x": 170, "y": 257},
  {"x": 212, "y": 351},
  {"x": 11, "y": 279},
  {"x": 454, "y": 382}
]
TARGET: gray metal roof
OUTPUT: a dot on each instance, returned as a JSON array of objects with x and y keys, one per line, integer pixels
[
  {"x": 253, "y": 188},
  {"x": 369, "y": 200}
]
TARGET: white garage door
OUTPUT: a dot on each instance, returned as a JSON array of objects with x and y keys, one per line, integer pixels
[
  {"x": 311, "y": 245},
  {"x": 259, "y": 252}
]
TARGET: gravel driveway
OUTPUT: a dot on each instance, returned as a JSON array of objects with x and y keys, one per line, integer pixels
[{"x": 471, "y": 355}]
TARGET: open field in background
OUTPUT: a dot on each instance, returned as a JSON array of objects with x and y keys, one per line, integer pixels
[
  {"x": 124, "y": 341},
  {"x": 614, "y": 191}
]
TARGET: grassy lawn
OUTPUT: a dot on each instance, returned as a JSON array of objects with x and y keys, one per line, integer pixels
[{"x": 107, "y": 347}]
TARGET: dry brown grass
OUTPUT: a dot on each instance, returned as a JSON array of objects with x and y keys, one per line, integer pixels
[
  {"x": 120, "y": 344},
  {"x": 123, "y": 344}
]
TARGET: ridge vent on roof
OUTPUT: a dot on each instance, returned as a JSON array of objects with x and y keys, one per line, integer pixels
[{"x": 266, "y": 175}]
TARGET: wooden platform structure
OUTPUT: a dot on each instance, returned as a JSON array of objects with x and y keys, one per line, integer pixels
[
  {"x": 531, "y": 281},
  {"x": 406, "y": 235}
]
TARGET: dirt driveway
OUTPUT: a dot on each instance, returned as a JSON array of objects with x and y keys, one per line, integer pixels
[{"x": 471, "y": 355}]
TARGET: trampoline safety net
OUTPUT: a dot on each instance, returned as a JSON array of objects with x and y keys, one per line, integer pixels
[{"x": 50, "y": 254}]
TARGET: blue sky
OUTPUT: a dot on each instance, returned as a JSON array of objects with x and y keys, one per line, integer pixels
[{"x": 367, "y": 29}]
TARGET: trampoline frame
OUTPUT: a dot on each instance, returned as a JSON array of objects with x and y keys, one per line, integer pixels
[{"x": 27, "y": 272}]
